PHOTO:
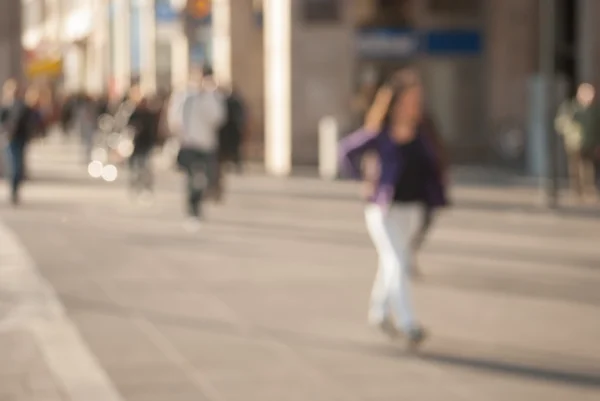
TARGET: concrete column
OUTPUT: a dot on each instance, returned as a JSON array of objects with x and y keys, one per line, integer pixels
[
  {"x": 587, "y": 42},
  {"x": 11, "y": 52},
  {"x": 308, "y": 75},
  {"x": 148, "y": 26},
  {"x": 121, "y": 46},
  {"x": 237, "y": 50},
  {"x": 512, "y": 39},
  {"x": 180, "y": 59},
  {"x": 95, "y": 50},
  {"x": 278, "y": 86},
  {"x": 221, "y": 39},
  {"x": 52, "y": 21}
]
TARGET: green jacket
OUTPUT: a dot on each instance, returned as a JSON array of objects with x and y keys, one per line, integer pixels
[{"x": 580, "y": 126}]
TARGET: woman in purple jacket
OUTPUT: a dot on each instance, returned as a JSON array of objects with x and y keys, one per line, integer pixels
[{"x": 408, "y": 180}]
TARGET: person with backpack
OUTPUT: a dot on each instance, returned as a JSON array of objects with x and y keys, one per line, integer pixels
[
  {"x": 202, "y": 113},
  {"x": 20, "y": 123}
]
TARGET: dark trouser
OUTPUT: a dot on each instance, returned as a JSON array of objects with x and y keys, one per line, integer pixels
[
  {"x": 427, "y": 221},
  {"x": 235, "y": 157},
  {"x": 141, "y": 171},
  {"x": 597, "y": 171},
  {"x": 199, "y": 168},
  {"x": 230, "y": 151},
  {"x": 581, "y": 172},
  {"x": 16, "y": 167}
]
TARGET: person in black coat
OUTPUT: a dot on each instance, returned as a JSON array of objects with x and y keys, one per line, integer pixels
[
  {"x": 231, "y": 136},
  {"x": 145, "y": 121},
  {"x": 20, "y": 122}
]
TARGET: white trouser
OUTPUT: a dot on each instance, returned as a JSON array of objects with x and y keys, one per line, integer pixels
[{"x": 392, "y": 231}]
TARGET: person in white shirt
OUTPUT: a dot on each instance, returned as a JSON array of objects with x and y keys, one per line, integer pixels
[{"x": 198, "y": 116}]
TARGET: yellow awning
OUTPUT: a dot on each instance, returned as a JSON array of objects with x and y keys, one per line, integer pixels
[{"x": 48, "y": 67}]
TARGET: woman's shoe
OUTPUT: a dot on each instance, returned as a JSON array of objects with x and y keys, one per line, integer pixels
[
  {"x": 416, "y": 336},
  {"x": 388, "y": 328}
]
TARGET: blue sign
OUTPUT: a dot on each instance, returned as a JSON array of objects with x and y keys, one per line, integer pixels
[
  {"x": 165, "y": 12},
  {"x": 453, "y": 42},
  {"x": 406, "y": 43}
]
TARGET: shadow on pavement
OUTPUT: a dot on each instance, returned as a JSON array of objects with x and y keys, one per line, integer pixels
[
  {"x": 582, "y": 293},
  {"x": 360, "y": 239},
  {"x": 64, "y": 181},
  {"x": 461, "y": 203},
  {"x": 502, "y": 284},
  {"x": 58, "y": 205},
  {"x": 499, "y": 206},
  {"x": 383, "y": 350},
  {"x": 538, "y": 373}
]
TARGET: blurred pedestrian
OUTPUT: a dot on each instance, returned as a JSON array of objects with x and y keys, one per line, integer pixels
[
  {"x": 102, "y": 105},
  {"x": 202, "y": 112},
  {"x": 578, "y": 122},
  {"x": 145, "y": 122},
  {"x": 370, "y": 166},
  {"x": 67, "y": 112},
  {"x": 20, "y": 123},
  {"x": 408, "y": 181},
  {"x": 231, "y": 136},
  {"x": 86, "y": 120},
  {"x": 9, "y": 90}
]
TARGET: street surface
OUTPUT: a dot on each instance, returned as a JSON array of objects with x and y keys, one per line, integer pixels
[{"x": 268, "y": 301}]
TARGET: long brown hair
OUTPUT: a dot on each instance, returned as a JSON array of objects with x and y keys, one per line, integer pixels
[{"x": 400, "y": 82}]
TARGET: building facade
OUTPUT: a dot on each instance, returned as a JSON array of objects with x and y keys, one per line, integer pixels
[
  {"x": 298, "y": 61},
  {"x": 10, "y": 40},
  {"x": 478, "y": 59}
]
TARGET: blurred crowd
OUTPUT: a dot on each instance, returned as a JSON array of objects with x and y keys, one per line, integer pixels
[{"x": 148, "y": 121}]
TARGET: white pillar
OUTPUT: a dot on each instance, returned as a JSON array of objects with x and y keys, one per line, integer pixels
[
  {"x": 121, "y": 46},
  {"x": 148, "y": 26},
  {"x": 221, "y": 40},
  {"x": 180, "y": 51},
  {"x": 180, "y": 60},
  {"x": 95, "y": 54},
  {"x": 278, "y": 94}
]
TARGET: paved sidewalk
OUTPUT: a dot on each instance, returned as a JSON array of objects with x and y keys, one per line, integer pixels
[
  {"x": 42, "y": 357},
  {"x": 268, "y": 301},
  {"x": 24, "y": 375}
]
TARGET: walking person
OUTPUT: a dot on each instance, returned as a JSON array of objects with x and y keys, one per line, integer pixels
[
  {"x": 145, "y": 122},
  {"x": 20, "y": 123},
  {"x": 231, "y": 138},
  {"x": 67, "y": 111},
  {"x": 578, "y": 122},
  {"x": 408, "y": 180},
  {"x": 202, "y": 114},
  {"x": 85, "y": 116},
  {"x": 9, "y": 90}
]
